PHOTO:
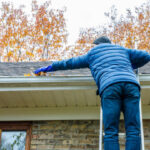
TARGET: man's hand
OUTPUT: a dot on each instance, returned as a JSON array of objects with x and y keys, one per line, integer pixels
[{"x": 44, "y": 69}]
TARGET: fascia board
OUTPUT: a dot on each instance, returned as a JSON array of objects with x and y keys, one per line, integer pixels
[
  {"x": 47, "y": 88},
  {"x": 46, "y": 79},
  {"x": 7, "y": 79},
  {"x": 55, "y": 83},
  {"x": 56, "y": 113},
  {"x": 46, "y": 83},
  {"x": 60, "y": 113}
]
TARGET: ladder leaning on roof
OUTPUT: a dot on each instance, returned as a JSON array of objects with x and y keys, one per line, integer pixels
[
  {"x": 141, "y": 122},
  {"x": 101, "y": 129}
]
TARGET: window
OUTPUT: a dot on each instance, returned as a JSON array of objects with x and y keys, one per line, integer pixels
[{"x": 15, "y": 135}]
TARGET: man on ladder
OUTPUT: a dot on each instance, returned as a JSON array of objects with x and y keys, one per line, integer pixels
[{"x": 112, "y": 69}]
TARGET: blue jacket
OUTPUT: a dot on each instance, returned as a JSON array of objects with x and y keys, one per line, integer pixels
[{"x": 108, "y": 64}]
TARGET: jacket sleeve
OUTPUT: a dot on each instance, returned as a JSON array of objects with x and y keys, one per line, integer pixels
[
  {"x": 138, "y": 58},
  {"x": 72, "y": 63}
]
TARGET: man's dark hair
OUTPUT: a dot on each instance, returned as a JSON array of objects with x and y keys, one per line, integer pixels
[{"x": 102, "y": 39}]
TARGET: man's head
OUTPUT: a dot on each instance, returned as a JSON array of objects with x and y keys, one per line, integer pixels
[{"x": 102, "y": 39}]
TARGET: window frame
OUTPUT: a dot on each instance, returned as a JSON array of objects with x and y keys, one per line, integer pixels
[{"x": 17, "y": 126}]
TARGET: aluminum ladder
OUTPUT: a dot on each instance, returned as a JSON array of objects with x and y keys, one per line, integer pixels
[{"x": 141, "y": 122}]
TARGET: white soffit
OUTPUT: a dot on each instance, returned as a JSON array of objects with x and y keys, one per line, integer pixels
[{"x": 18, "y": 84}]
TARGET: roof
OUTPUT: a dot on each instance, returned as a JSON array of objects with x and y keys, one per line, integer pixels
[
  {"x": 21, "y": 68},
  {"x": 66, "y": 95}
]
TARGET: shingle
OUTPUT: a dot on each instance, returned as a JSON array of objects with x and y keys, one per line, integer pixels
[
  {"x": 145, "y": 69},
  {"x": 21, "y": 68}
]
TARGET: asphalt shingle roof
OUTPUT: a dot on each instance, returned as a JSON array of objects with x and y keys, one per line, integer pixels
[{"x": 22, "y": 68}]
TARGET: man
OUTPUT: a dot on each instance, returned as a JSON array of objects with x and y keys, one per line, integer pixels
[{"x": 112, "y": 69}]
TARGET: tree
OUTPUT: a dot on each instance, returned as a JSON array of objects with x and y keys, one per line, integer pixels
[
  {"x": 84, "y": 43},
  {"x": 132, "y": 30},
  {"x": 49, "y": 32},
  {"x": 42, "y": 36},
  {"x": 17, "y": 141},
  {"x": 37, "y": 37},
  {"x": 14, "y": 29}
]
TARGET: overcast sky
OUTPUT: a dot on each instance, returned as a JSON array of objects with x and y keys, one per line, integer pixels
[{"x": 84, "y": 13}]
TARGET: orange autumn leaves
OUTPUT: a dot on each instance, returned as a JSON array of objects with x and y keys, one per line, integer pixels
[
  {"x": 42, "y": 35},
  {"x": 33, "y": 74},
  {"x": 131, "y": 30},
  {"x": 37, "y": 36}
]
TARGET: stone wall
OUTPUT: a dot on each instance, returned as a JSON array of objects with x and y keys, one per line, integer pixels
[{"x": 73, "y": 135}]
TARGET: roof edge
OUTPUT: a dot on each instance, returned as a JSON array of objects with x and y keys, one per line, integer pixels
[{"x": 45, "y": 79}]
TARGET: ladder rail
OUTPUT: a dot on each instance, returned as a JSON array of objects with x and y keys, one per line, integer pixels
[
  {"x": 141, "y": 128},
  {"x": 141, "y": 120},
  {"x": 101, "y": 129}
]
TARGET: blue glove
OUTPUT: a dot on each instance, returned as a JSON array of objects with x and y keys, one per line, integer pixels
[{"x": 44, "y": 69}]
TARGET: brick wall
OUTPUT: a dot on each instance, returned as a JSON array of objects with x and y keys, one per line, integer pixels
[
  {"x": 73, "y": 135},
  {"x": 146, "y": 125}
]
